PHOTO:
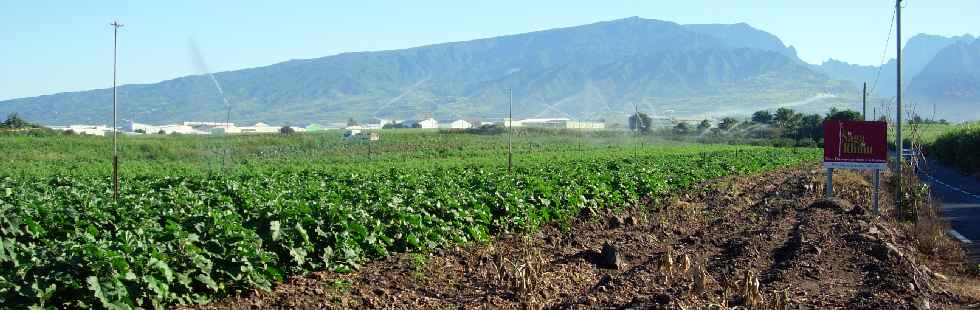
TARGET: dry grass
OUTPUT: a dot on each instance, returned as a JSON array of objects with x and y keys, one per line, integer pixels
[
  {"x": 520, "y": 275},
  {"x": 929, "y": 233},
  {"x": 968, "y": 287}
]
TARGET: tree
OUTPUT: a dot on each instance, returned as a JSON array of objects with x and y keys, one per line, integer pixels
[
  {"x": 785, "y": 117},
  {"x": 351, "y": 122},
  {"x": 644, "y": 123},
  {"x": 728, "y": 123},
  {"x": 811, "y": 127},
  {"x": 161, "y": 132},
  {"x": 682, "y": 128},
  {"x": 14, "y": 122},
  {"x": 287, "y": 130},
  {"x": 141, "y": 130},
  {"x": 846, "y": 115},
  {"x": 704, "y": 125},
  {"x": 762, "y": 117}
]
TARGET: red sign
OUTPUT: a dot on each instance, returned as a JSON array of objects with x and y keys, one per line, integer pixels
[{"x": 855, "y": 144}]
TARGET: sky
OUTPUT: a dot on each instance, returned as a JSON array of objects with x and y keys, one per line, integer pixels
[{"x": 49, "y": 47}]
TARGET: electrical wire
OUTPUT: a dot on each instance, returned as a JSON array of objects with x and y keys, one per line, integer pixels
[{"x": 884, "y": 52}]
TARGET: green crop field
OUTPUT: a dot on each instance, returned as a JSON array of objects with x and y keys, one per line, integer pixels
[
  {"x": 204, "y": 217},
  {"x": 922, "y": 133}
]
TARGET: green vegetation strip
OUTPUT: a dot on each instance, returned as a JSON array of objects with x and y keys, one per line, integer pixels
[
  {"x": 187, "y": 239},
  {"x": 959, "y": 147}
]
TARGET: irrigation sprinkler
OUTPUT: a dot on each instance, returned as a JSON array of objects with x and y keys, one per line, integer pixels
[
  {"x": 115, "y": 150},
  {"x": 510, "y": 131},
  {"x": 202, "y": 65}
]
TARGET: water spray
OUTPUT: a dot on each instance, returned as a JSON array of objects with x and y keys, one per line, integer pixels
[{"x": 203, "y": 67}]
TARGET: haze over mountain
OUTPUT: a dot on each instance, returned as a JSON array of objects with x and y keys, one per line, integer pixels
[
  {"x": 951, "y": 81},
  {"x": 589, "y": 71},
  {"x": 917, "y": 53}
]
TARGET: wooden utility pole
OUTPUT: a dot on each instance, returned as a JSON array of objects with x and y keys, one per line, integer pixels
[
  {"x": 899, "y": 148},
  {"x": 864, "y": 102},
  {"x": 115, "y": 150}
]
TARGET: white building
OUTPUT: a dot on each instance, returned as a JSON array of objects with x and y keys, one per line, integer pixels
[
  {"x": 558, "y": 123},
  {"x": 507, "y": 122},
  {"x": 167, "y": 129},
  {"x": 544, "y": 122},
  {"x": 460, "y": 124},
  {"x": 259, "y": 127},
  {"x": 95, "y": 130},
  {"x": 584, "y": 125},
  {"x": 429, "y": 123},
  {"x": 208, "y": 124}
]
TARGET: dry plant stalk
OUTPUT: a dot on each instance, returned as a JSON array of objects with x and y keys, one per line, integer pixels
[
  {"x": 781, "y": 300},
  {"x": 686, "y": 263},
  {"x": 750, "y": 291},
  {"x": 700, "y": 278},
  {"x": 525, "y": 276},
  {"x": 667, "y": 265}
]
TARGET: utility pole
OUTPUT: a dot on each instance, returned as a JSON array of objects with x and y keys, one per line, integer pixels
[
  {"x": 864, "y": 102},
  {"x": 898, "y": 102},
  {"x": 115, "y": 150},
  {"x": 510, "y": 131}
]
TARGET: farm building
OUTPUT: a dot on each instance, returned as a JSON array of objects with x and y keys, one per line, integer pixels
[
  {"x": 167, "y": 129},
  {"x": 315, "y": 127},
  {"x": 257, "y": 128},
  {"x": 507, "y": 122},
  {"x": 560, "y": 123},
  {"x": 584, "y": 125},
  {"x": 429, "y": 123},
  {"x": 544, "y": 122},
  {"x": 460, "y": 124},
  {"x": 95, "y": 130}
]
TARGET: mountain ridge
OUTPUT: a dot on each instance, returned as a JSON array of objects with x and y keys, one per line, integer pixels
[
  {"x": 951, "y": 81},
  {"x": 574, "y": 68}
]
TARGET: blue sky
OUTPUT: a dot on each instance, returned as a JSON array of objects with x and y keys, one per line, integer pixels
[{"x": 55, "y": 46}]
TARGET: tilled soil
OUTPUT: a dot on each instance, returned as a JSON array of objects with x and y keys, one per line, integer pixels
[{"x": 763, "y": 241}]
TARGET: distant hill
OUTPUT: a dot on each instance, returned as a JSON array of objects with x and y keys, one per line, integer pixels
[
  {"x": 951, "y": 81},
  {"x": 588, "y": 71},
  {"x": 917, "y": 53}
]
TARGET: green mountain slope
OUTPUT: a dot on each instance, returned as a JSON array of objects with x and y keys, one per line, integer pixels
[{"x": 581, "y": 72}]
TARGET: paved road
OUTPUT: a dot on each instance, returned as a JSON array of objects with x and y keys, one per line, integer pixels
[{"x": 960, "y": 195}]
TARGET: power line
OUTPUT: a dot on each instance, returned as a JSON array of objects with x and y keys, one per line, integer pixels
[{"x": 884, "y": 52}]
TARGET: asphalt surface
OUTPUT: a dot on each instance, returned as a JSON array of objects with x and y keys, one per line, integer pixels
[{"x": 960, "y": 195}]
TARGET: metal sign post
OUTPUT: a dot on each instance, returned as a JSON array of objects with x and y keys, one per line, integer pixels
[
  {"x": 855, "y": 145},
  {"x": 877, "y": 189},
  {"x": 830, "y": 183}
]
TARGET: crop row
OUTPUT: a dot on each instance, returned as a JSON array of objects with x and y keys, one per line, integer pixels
[{"x": 187, "y": 239}]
